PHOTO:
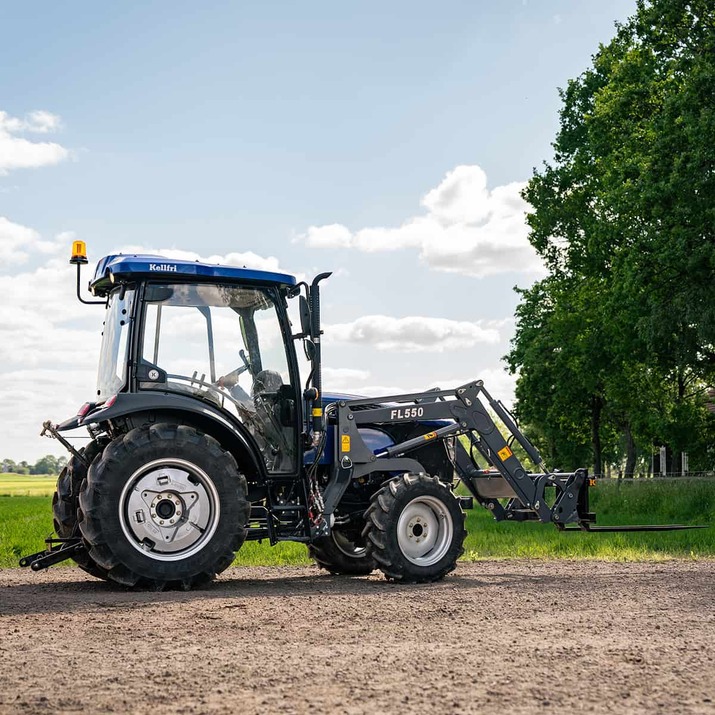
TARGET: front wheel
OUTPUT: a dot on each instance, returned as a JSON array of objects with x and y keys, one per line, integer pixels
[
  {"x": 343, "y": 551},
  {"x": 415, "y": 529},
  {"x": 164, "y": 505}
]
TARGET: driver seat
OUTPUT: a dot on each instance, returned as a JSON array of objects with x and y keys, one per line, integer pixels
[{"x": 267, "y": 381}]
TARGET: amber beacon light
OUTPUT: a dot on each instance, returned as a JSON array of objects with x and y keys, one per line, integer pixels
[{"x": 79, "y": 252}]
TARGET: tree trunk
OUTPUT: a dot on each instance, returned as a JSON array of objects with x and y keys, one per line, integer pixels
[
  {"x": 596, "y": 408},
  {"x": 630, "y": 452}
]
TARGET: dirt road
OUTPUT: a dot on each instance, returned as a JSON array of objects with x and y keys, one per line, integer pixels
[{"x": 494, "y": 637}]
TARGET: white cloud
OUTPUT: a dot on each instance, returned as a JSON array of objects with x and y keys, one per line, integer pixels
[
  {"x": 49, "y": 345},
  {"x": 13, "y": 239},
  {"x": 467, "y": 229},
  {"x": 331, "y": 236},
  {"x": 341, "y": 377},
  {"x": 411, "y": 334},
  {"x": 35, "y": 395},
  {"x": 42, "y": 122},
  {"x": 462, "y": 197},
  {"x": 17, "y": 242},
  {"x": 499, "y": 383},
  {"x": 17, "y": 152}
]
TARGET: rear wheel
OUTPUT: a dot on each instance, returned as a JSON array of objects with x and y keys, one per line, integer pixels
[
  {"x": 415, "y": 529},
  {"x": 65, "y": 504},
  {"x": 164, "y": 505},
  {"x": 343, "y": 551}
]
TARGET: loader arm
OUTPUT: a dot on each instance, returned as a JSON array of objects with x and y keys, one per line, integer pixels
[{"x": 474, "y": 431}]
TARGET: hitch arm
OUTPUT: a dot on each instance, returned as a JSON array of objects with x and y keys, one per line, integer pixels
[
  {"x": 48, "y": 427},
  {"x": 57, "y": 550}
]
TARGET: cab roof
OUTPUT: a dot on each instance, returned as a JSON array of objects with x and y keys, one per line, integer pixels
[{"x": 115, "y": 268}]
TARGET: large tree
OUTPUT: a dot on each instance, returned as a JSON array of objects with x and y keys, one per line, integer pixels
[{"x": 624, "y": 218}]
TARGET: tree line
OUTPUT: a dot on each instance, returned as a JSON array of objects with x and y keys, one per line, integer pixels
[
  {"x": 615, "y": 348},
  {"x": 49, "y": 464}
]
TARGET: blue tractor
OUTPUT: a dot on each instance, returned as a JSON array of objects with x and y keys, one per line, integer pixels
[{"x": 203, "y": 436}]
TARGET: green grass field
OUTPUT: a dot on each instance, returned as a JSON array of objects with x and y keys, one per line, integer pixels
[{"x": 26, "y": 520}]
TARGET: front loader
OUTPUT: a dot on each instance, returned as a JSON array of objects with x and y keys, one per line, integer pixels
[{"x": 202, "y": 437}]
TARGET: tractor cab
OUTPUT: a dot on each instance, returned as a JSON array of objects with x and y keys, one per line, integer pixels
[{"x": 216, "y": 335}]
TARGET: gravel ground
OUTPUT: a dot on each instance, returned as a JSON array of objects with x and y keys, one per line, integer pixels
[{"x": 493, "y": 637}]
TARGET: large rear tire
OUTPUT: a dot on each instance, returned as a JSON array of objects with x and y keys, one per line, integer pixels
[
  {"x": 415, "y": 529},
  {"x": 343, "y": 552},
  {"x": 164, "y": 506},
  {"x": 65, "y": 503}
]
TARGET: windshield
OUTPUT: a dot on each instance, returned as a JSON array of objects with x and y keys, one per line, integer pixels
[
  {"x": 115, "y": 344},
  {"x": 223, "y": 344}
]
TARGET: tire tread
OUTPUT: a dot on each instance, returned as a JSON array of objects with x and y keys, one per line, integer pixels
[{"x": 381, "y": 528}]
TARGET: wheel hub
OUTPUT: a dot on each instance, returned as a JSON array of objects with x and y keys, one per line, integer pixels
[
  {"x": 165, "y": 508},
  {"x": 424, "y": 530},
  {"x": 417, "y": 529},
  {"x": 169, "y": 509}
]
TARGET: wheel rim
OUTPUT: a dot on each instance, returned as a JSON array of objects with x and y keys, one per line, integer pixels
[
  {"x": 424, "y": 530},
  {"x": 169, "y": 509},
  {"x": 347, "y": 546}
]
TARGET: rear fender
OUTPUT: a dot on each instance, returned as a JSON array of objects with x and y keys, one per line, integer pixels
[{"x": 138, "y": 409}]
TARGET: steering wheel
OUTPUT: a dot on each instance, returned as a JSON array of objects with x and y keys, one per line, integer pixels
[
  {"x": 247, "y": 365},
  {"x": 230, "y": 379}
]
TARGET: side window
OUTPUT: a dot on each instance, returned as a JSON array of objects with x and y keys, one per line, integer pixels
[
  {"x": 270, "y": 339},
  {"x": 175, "y": 337},
  {"x": 112, "y": 373},
  {"x": 224, "y": 345}
]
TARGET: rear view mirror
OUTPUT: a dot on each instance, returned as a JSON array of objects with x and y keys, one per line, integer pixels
[{"x": 305, "y": 319}]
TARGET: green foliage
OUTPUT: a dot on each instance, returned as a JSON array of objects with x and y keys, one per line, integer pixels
[
  {"x": 616, "y": 346},
  {"x": 49, "y": 464}
]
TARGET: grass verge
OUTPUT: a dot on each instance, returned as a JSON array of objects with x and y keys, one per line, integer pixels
[{"x": 26, "y": 520}]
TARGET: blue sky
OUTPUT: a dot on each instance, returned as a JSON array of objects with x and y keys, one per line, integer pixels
[{"x": 282, "y": 130}]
